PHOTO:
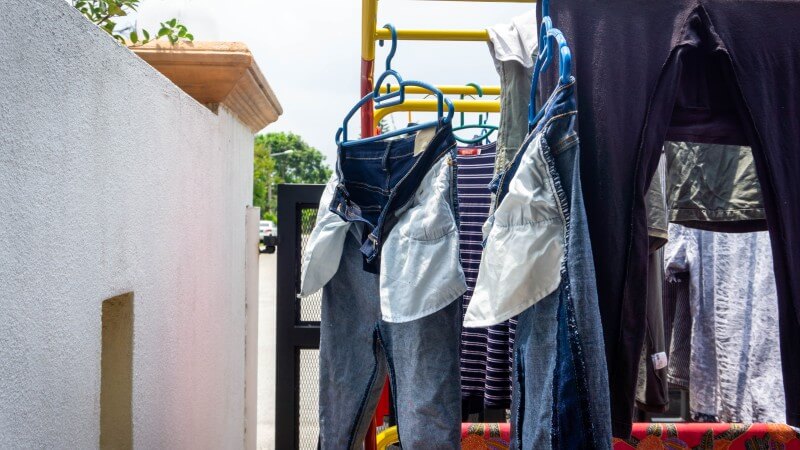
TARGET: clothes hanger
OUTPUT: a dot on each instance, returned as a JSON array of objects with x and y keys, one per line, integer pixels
[
  {"x": 392, "y": 98},
  {"x": 549, "y": 36},
  {"x": 488, "y": 129}
]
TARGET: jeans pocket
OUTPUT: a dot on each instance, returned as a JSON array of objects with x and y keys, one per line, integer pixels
[{"x": 430, "y": 215}]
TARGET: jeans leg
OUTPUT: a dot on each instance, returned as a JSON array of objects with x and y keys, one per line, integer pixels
[
  {"x": 424, "y": 370},
  {"x": 352, "y": 363},
  {"x": 535, "y": 351}
]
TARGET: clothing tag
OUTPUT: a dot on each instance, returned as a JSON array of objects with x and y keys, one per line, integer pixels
[
  {"x": 469, "y": 151},
  {"x": 424, "y": 137},
  {"x": 659, "y": 360}
]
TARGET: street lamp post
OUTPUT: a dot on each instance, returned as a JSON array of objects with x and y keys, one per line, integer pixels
[{"x": 269, "y": 187}]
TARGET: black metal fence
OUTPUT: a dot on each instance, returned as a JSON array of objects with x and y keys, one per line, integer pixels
[{"x": 297, "y": 364}]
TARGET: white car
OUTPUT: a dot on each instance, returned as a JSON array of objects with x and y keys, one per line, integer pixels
[
  {"x": 266, "y": 228},
  {"x": 266, "y": 236}
]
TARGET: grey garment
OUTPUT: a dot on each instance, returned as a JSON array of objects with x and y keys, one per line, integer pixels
[
  {"x": 358, "y": 350},
  {"x": 560, "y": 330},
  {"x": 679, "y": 329},
  {"x": 656, "y": 206},
  {"x": 651, "y": 388},
  {"x": 714, "y": 187},
  {"x": 735, "y": 365},
  {"x": 515, "y": 88}
]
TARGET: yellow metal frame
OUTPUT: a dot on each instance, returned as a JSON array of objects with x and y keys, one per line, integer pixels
[
  {"x": 387, "y": 437},
  {"x": 371, "y": 33}
]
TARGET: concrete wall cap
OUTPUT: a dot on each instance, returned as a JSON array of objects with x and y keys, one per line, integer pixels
[{"x": 216, "y": 73}]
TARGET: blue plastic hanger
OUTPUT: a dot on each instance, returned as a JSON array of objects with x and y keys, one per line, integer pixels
[
  {"x": 548, "y": 37},
  {"x": 481, "y": 125},
  {"x": 394, "y": 98}
]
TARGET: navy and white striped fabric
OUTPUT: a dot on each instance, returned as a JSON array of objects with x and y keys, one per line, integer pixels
[{"x": 486, "y": 353}]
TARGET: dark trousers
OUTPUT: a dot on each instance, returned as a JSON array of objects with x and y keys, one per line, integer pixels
[{"x": 714, "y": 71}]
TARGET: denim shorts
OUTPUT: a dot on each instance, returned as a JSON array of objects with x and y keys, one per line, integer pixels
[
  {"x": 398, "y": 198},
  {"x": 376, "y": 179}
]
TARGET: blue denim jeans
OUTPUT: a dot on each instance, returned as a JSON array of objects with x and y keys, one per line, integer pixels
[
  {"x": 561, "y": 393},
  {"x": 376, "y": 179},
  {"x": 358, "y": 350}
]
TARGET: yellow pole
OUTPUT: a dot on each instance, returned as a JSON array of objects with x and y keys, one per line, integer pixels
[
  {"x": 431, "y": 105},
  {"x": 449, "y": 89},
  {"x": 433, "y": 35}
]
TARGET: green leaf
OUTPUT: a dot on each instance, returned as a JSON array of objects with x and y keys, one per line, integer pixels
[
  {"x": 189, "y": 36},
  {"x": 173, "y": 39},
  {"x": 109, "y": 26},
  {"x": 172, "y": 22},
  {"x": 134, "y": 37},
  {"x": 115, "y": 10},
  {"x": 182, "y": 33},
  {"x": 163, "y": 32},
  {"x": 120, "y": 38},
  {"x": 146, "y": 35}
]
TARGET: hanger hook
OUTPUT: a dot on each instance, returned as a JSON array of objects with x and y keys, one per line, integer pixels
[
  {"x": 392, "y": 51},
  {"x": 477, "y": 87}
]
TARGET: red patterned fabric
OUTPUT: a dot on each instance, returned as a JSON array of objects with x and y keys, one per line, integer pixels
[
  {"x": 710, "y": 436},
  {"x": 485, "y": 436},
  {"x": 652, "y": 436}
]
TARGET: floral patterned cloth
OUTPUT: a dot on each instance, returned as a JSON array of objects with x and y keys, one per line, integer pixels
[
  {"x": 711, "y": 436},
  {"x": 650, "y": 436}
]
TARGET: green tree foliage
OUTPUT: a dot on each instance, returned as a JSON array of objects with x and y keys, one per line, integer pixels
[
  {"x": 283, "y": 158},
  {"x": 104, "y": 12}
]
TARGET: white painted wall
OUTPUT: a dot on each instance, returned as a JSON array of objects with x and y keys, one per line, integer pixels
[{"x": 114, "y": 180}]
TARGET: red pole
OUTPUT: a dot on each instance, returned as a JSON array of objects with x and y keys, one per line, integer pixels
[
  {"x": 367, "y": 117},
  {"x": 369, "y": 15}
]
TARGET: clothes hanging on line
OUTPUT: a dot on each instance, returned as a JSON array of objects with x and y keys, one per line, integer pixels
[
  {"x": 735, "y": 367},
  {"x": 678, "y": 327},
  {"x": 358, "y": 350},
  {"x": 713, "y": 76},
  {"x": 652, "y": 394},
  {"x": 404, "y": 192},
  {"x": 714, "y": 187},
  {"x": 512, "y": 47},
  {"x": 560, "y": 391},
  {"x": 404, "y": 321},
  {"x": 486, "y": 353}
]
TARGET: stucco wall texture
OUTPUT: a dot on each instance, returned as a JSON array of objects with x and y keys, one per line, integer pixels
[{"x": 114, "y": 180}]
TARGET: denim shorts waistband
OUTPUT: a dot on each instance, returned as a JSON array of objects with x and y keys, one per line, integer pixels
[{"x": 396, "y": 148}]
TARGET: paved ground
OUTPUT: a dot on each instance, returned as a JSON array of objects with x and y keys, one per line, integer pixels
[
  {"x": 309, "y": 365},
  {"x": 266, "y": 357}
]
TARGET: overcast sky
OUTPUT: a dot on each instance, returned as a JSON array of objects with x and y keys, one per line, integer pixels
[{"x": 309, "y": 50}]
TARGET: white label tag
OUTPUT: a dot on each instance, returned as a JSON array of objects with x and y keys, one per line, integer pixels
[
  {"x": 424, "y": 137},
  {"x": 659, "y": 360}
]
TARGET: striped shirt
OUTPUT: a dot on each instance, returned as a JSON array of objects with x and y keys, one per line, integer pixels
[{"x": 486, "y": 354}]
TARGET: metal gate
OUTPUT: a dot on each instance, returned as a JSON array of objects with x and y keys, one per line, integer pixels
[{"x": 297, "y": 364}]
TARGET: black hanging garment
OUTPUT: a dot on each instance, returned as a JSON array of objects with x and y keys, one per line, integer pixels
[{"x": 709, "y": 71}]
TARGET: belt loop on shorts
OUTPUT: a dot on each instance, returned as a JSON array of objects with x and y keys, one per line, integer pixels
[
  {"x": 385, "y": 160},
  {"x": 370, "y": 247}
]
